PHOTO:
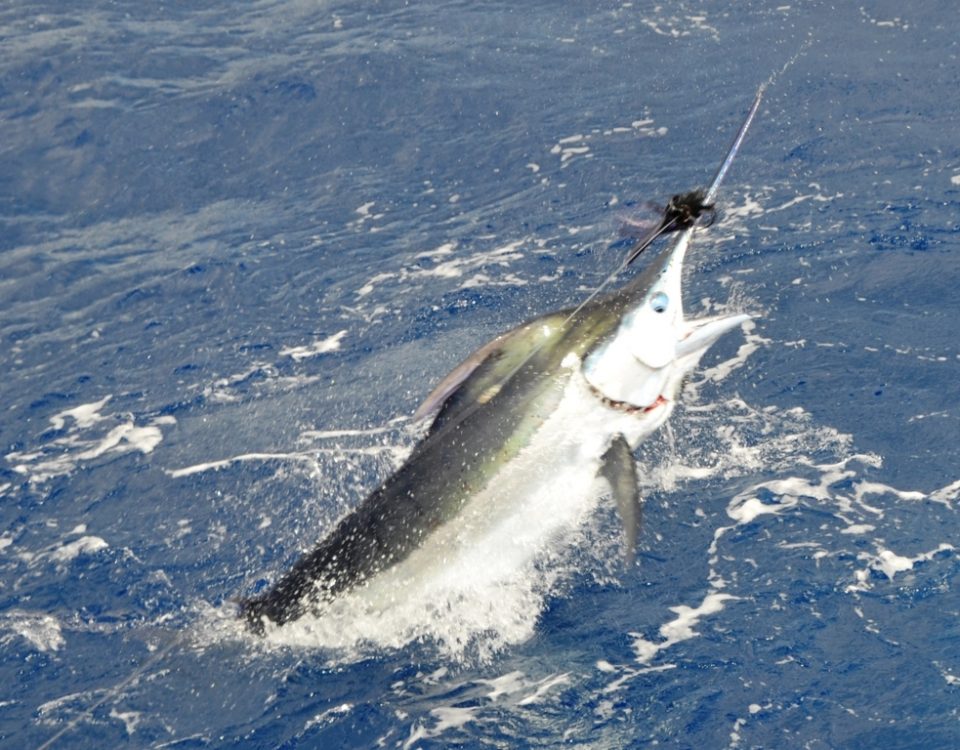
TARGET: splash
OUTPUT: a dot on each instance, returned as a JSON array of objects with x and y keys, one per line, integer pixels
[{"x": 477, "y": 584}]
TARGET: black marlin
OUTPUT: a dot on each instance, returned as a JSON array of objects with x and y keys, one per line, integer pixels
[{"x": 534, "y": 416}]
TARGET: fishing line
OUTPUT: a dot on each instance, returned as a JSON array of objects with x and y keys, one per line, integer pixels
[
  {"x": 683, "y": 210},
  {"x": 808, "y": 42}
]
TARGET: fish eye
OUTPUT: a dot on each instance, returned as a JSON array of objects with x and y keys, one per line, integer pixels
[{"x": 659, "y": 302}]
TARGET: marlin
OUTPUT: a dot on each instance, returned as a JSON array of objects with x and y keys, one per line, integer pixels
[{"x": 546, "y": 410}]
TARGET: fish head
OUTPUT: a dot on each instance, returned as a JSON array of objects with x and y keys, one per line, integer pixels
[{"x": 644, "y": 360}]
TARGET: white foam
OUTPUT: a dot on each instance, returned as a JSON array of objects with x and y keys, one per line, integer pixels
[
  {"x": 859, "y": 528},
  {"x": 258, "y": 377},
  {"x": 446, "y": 718},
  {"x": 817, "y": 197},
  {"x": 40, "y": 630},
  {"x": 50, "y": 706},
  {"x": 506, "y": 684},
  {"x": 890, "y": 563},
  {"x": 374, "y": 280},
  {"x": 544, "y": 687},
  {"x": 124, "y": 438},
  {"x": 323, "y": 346},
  {"x": 365, "y": 214},
  {"x": 443, "y": 250},
  {"x": 949, "y": 677},
  {"x": 328, "y": 716},
  {"x": 566, "y": 149},
  {"x": 752, "y": 342},
  {"x": 837, "y": 487},
  {"x": 516, "y": 682},
  {"x": 647, "y": 130},
  {"x": 446, "y": 264},
  {"x": 500, "y": 256},
  {"x": 864, "y": 488},
  {"x": 849, "y": 505},
  {"x": 130, "y": 719},
  {"x": 677, "y": 26},
  {"x": 83, "y": 416},
  {"x": 748, "y": 209},
  {"x": 783, "y": 442},
  {"x": 681, "y": 628},
  {"x": 895, "y": 23},
  {"x": 746, "y": 510},
  {"x": 85, "y": 545},
  {"x": 484, "y": 280},
  {"x": 82, "y": 443},
  {"x": 946, "y": 494},
  {"x": 482, "y": 268}
]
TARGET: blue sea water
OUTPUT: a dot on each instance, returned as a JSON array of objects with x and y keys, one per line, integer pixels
[{"x": 240, "y": 242}]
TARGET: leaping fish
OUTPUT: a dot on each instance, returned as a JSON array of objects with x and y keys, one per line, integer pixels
[{"x": 544, "y": 409}]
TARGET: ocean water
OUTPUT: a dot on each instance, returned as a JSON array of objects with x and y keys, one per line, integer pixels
[{"x": 240, "y": 242}]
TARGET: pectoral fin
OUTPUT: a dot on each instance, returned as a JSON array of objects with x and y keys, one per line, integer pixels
[{"x": 620, "y": 470}]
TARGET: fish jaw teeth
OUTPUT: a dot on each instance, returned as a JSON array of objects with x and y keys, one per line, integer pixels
[{"x": 626, "y": 406}]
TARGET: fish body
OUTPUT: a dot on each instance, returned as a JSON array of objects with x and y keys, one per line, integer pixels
[
  {"x": 522, "y": 432},
  {"x": 540, "y": 412}
]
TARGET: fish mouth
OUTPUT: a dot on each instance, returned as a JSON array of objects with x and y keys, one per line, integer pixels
[
  {"x": 706, "y": 332},
  {"x": 625, "y": 406}
]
